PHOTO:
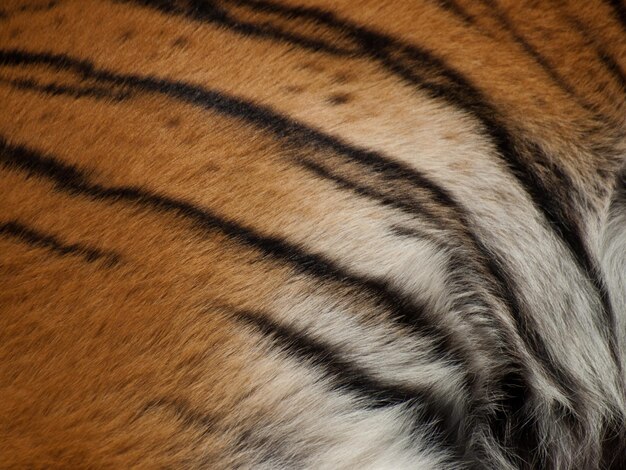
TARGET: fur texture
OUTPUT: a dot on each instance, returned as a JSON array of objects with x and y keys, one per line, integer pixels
[{"x": 275, "y": 234}]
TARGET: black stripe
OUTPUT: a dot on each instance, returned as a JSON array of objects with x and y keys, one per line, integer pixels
[
  {"x": 263, "y": 117},
  {"x": 416, "y": 66},
  {"x": 538, "y": 58},
  {"x": 619, "y": 10},
  {"x": 298, "y": 135},
  {"x": 70, "y": 179},
  {"x": 412, "y": 232},
  {"x": 30, "y": 236},
  {"x": 403, "y": 60},
  {"x": 612, "y": 66},
  {"x": 407, "y": 204},
  {"x": 244, "y": 438},
  {"x": 74, "y": 91},
  {"x": 435, "y": 410},
  {"x": 209, "y": 11},
  {"x": 607, "y": 60},
  {"x": 453, "y": 7}
]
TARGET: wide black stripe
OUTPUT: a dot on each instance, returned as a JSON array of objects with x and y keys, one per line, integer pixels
[
  {"x": 406, "y": 203},
  {"x": 30, "y": 236},
  {"x": 434, "y": 409},
  {"x": 430, "y": 74},
  {"x": 73, "y": 180},
  {"x": 293, "y": 132}
]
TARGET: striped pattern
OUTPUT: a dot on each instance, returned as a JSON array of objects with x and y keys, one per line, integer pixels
[{"x": 313, "y": 234}]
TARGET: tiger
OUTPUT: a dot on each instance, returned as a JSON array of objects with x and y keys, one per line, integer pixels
[{"x": 313, "y": 234}]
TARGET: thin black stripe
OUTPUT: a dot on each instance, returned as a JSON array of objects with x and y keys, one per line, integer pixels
[
  {"x": 265, "y": 118},
  {"x": 30, "y": 236},
  {"x": 245, "y": 438},
  {"x": 525, "y": 164},
  {"x": 531, "y": 50},
  {"x": 436, "y": 410},
  {"x": 70, "y": 179},
  {"x": 297, "y": 134},
  {"x": 74, "y": 91},
  {"x": 453, "y": 7},
  {"x": 406, "y": 204},
  {"x": 209, "y": 11},
  {"x": 607, "y": 60}
]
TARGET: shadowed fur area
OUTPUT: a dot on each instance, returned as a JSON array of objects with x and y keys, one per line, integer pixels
[{"x": 313, "y": 234}]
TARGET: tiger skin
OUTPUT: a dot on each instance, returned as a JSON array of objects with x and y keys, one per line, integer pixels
[{"x": 276, "y": 234}]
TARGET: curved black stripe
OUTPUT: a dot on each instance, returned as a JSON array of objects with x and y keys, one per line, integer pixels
[
  {"x": 210, "y": 11},
  {"x": 402, "y": 60},
  {"x": 244, "y": 437},
  {"x": 611, "y": 65},
  {"x": 609, "y": 62},
  {"x": 30, "y": 236},
  {"x": 289, "y": 130},
  {"x": 531, "y": 50},
  {"x": 435, "y": 410},
  {"x": 407, "y": 204},
  {"x": 453, "y": 7},
  {"x": 432, "y": 75},
  {"x": 295, "y": 133},
  {"x": 73, "y": 180}
]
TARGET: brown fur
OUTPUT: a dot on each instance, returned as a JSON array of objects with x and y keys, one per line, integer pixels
[{"x": 139, "y": 362}]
